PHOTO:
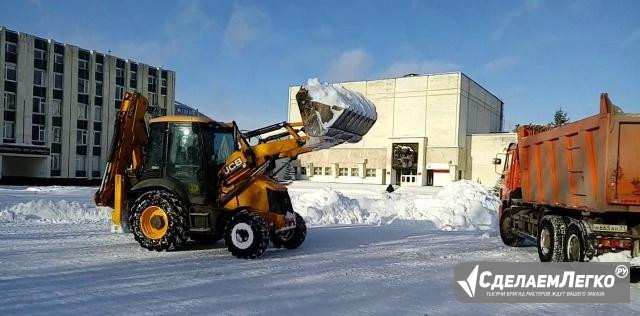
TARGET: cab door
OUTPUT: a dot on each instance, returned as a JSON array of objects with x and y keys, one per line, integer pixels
[{"x": 185, "y": 161}]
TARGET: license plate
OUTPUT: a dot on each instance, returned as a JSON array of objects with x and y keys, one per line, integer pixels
[{"x": 609, "y": 228}]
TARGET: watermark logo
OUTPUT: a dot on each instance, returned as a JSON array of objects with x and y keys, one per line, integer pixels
[
  {"x": 534, "y": 282},
  {"x": 469, "y": 285},
  {"x": 622, "y": 271}
]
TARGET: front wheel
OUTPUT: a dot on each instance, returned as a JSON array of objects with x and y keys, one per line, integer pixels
[
  {"x": 246, "y": 235},
  {"x": 507, "y": 235},
  {"x": 291, "y": 238}
]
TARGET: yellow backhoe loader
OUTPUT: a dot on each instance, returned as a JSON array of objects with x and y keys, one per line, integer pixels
[{"x": 182, "y": 177}]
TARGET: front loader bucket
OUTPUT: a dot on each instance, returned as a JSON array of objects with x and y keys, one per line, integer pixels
[{"x": 333, "y": 114}]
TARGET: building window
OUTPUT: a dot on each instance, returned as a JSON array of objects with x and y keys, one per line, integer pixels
[
  {"x": 97, "y": 114},
  {"x": 99, "y": 68},
  {"x": 38, "y": 133},
  {"x": 95, "y": 163},
  {"x": 133, "y": 75},
  {"x": 56, "y": 108},
  {"x": 327, "y": 171},
  {"x": 56, "y": 134},
  {"x": 83, "y": 86},
  {"x": 81, "y": 138},
  {"x": 119, "y": 92},
  {"x": 370, "y": 173},
  {"x": 10, "y": 72},
  {"x": 38, "y": 105},
  {"x": 152, "y": 80},
  {"x": 82, "y": 111},
  {"x": 303, "y": 171},
  {"x": 80, "y": 162},
  {"x": 58, "y": 59},
  {"x": 99, "y": 88},
  {"x": 58, "y": 81},
  {"x": 343, "y": 172},
  {"x": 119, "y": 72},
  {"x": 39, "y": 78},
  {"x": 9, "y": 130},
  {"x": 11, "y": 47},
  {"x": 317, "y": 171},
  {"x": 96, "y": 138},
  {"x": 153, "y": 98},
  {"x": 9, "y": 101},
  {"x": 40, "y": 54},
  {"x": 55, "y": 161},
  {"x": 354, "y": 172},
  {"x": 83, "y": 64}
]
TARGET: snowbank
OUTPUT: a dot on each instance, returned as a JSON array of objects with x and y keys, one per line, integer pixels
[
  {"x": 48, "y": 211},
  {"x": 462, "y": 205},
  {"x": 622, "y": 256}
]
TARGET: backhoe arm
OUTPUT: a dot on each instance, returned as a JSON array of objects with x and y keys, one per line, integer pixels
[{"x": 125, "y": 154}]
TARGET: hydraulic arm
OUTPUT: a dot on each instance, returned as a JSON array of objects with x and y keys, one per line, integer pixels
[{"x": 125, "y": 154}]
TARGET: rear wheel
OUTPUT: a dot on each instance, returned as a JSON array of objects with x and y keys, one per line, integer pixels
[
  {"x": 159, "y": 221},
  {"x": 291, "y": 238},
  {"x": 551, "y": 239},
  {"x": 507, "y": 235},
  {"x": 246, "y": 235},
  {"x": 574, "y": 246}
]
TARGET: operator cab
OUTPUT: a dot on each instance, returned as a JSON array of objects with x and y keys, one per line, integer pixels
[{"x": 188, "y": 152}]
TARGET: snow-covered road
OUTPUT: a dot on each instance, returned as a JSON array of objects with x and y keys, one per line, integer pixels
[{"x": 81, "y": 268}]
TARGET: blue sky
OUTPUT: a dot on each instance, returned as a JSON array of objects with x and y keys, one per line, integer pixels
[{"x": 235, "y": 59}]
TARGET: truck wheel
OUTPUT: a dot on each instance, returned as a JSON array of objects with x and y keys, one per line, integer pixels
[
  {"x": 551, "y": 239},
  {"x": 159, "y": 221},
  {"x": 246, "y": 235},
  {"x": 206, "y": 238},
  {"x": 508, "y": 237},
  {"x": 574, "y": 247},
  {"x": 292, "y": 238}
]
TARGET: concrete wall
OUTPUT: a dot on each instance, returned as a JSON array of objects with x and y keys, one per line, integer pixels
[{"x": 480, "y": 153}]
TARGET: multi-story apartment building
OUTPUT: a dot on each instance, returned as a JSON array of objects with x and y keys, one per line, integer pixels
[{"x": 59, "y": 103}]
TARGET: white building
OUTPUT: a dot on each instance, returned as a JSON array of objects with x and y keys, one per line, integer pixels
[
  {"x": 426, "y": 134},
  {"x": 59, "y": 103}
]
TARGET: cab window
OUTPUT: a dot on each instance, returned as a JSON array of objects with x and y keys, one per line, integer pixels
[
  {"x": 185, "y": 158},
  {"x": 223, "y": 145}
]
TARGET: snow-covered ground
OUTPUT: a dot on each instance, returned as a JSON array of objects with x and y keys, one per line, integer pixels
[{"x": 57, "y": 256}]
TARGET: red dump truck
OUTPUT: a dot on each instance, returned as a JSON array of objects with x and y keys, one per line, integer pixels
[{"x": 574, "y": 189}]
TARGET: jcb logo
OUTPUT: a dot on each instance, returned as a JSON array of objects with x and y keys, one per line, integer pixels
[{"x": 233, "y": 166}]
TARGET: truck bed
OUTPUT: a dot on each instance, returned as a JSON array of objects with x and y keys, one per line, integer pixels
[{"x": 591, "y": 164}]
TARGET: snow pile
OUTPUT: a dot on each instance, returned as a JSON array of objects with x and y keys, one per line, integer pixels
[
  {"x": 461, "y": 205},
  {"x": 48, "y": 211},
  {"x": 329, "y": 206},
  {"x": 622, "y": 256}
]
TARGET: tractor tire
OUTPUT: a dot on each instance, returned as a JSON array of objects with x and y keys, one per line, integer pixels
[
  {"x": 507, "y": 236},
  {"x": 574, "y": 244},
  {"x": 293, "y": 238},
  {"x": 551, "y": 239},
  {"x": 159, "y": 221},
  {"x": 206, "y": 238},
  {"x": 246, "y": 235}
]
